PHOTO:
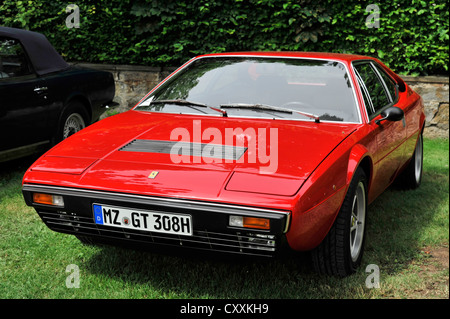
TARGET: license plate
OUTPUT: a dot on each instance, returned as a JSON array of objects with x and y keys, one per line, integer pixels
[{"x": 178, "y": 224}]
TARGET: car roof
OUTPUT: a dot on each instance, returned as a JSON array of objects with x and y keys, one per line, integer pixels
[
  {"x": 43, "y": 56},
  {"x": 342, "y": 57}
]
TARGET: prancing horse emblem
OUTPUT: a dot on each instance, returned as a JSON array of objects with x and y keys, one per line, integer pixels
[{"x": 153, "y": 174}]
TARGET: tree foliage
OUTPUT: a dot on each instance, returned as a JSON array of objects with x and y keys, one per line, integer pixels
[
  {"x": 178, "y": 29},
  {"x": 412, "y": 36}
]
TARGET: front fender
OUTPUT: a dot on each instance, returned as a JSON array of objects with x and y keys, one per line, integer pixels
[
  {"x": 359, "y": 156},
  {"x": 319, "y": 201},
  {"x": 322, "y": 195}
]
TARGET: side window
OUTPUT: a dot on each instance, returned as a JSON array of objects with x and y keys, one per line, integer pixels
[
  {"x": 390, "y": 84},
  {"x": 365, "y": 94},
  {"x": 13, "y": 60},
  {"x": 373, "y": 87}
]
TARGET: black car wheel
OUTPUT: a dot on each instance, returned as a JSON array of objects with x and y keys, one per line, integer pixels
[
  {"x": 341, "y": 251},
  {"x": 73, "y": 120}
]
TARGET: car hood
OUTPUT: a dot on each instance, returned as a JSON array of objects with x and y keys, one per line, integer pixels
[{"x": 189, "y": 156}]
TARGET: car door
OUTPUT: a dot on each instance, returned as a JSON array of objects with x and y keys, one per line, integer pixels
[
  {"x": 380, "y": 92},
  {"x": 23, "y": 99}
]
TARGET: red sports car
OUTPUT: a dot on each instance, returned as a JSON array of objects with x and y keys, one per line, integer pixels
[{"x": 242, "y": 153}]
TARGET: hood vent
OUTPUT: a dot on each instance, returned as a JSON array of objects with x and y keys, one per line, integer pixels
[{"x": 186, "y": 148}]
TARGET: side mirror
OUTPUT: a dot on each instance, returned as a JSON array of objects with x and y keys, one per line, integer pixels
[{"x": 392, "y": 113}]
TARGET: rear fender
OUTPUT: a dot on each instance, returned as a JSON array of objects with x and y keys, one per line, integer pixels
[{"x": 83, "y": 99}]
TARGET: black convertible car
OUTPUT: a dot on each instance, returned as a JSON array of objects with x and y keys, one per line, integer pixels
[{"x": 43, "y": 99}]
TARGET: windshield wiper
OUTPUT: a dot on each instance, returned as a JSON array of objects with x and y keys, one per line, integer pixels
[
  {"x": 189, "y": 104},
  {"x": 178, "y": 102},
  {"x": 269, "y": 108}
]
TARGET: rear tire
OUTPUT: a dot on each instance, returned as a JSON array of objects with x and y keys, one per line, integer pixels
[
  {"x": 341, "y": 251},
  {"x": 73, "y": 120},
  {"x": 411, "y": 177}
]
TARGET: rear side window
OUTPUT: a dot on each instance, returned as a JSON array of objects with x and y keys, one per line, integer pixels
[
  {"x": 13, "y": 60},
  {"x": 376, "y": 97},
  {"x": 390, "y": 84}
]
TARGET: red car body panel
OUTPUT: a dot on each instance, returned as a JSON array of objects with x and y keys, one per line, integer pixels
[{"x": 313, "y": 171}]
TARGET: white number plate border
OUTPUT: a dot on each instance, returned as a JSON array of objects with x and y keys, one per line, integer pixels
[{"x": 144, "y": 220}]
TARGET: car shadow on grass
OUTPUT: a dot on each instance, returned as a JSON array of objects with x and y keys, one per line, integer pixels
[{"x": 174, "y": 273}]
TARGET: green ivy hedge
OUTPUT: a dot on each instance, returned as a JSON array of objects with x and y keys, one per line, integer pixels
[{"x": 411, "y": 37}]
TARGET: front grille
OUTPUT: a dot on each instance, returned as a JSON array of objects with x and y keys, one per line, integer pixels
[{"x": 240, "y": 242}]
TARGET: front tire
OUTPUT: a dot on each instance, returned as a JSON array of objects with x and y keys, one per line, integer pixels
[{"x": 341, "y": 251}]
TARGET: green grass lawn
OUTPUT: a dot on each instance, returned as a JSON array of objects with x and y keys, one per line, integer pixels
[{"x": 407, "y": 239}]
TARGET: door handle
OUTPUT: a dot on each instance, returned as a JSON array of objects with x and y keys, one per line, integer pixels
[{"x": 40, "y": 90}]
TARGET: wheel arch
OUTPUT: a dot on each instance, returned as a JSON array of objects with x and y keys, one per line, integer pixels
[
  {"x": 360, "y": 157},
  {"x": 313, "y": 218},
  {"x": 82, "y": 99},
  {"x": 77, "y": 98}
]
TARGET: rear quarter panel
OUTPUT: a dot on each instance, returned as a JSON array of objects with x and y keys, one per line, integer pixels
[
  {"x": 415, "y": 121},
  {"x": 93, "y": 88}
]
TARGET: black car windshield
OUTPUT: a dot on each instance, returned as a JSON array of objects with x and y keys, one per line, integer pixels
[{"x": 318, "y": 87}]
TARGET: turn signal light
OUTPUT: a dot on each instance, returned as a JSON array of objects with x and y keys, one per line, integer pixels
[
  {"x": 249, "y": 222},
  {"x": 47, "y": 199},
  {"x": 252, "y": 222}
]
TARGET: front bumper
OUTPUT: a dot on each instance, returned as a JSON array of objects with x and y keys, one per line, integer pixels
[{"x": 210, "y": 221}]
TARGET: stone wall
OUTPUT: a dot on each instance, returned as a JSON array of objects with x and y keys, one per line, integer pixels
[
  {"x": 434, "y": 91},
  {"x": 134, "y": 82}
]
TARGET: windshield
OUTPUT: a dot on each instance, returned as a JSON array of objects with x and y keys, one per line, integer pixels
[{"x": 316, "y": 87}]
